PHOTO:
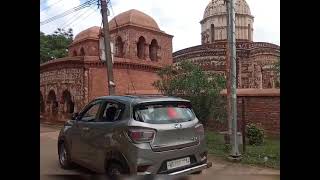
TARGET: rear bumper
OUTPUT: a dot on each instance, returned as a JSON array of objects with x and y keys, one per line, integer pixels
[
  {"x": 186, "y": 171},
  {"x": 142, "y": 154},
  {"x": 193, "y": 169}
]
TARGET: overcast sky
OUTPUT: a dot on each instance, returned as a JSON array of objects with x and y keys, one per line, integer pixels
[{"x": 179, "y": 18}]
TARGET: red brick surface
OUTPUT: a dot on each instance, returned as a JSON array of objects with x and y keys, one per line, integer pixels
[
  {"x": 128, "y": 81},
  {"x": 260, "y": 109},
  {"x": 85, "y": 76}
]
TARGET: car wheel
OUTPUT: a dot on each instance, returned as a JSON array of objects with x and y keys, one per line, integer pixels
[
  {"x": 114, "y": 170},
  {"x": 64, "y": 157}
]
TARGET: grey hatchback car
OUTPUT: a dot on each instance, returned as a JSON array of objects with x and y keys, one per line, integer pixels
[{"x": 135, "y": 135}]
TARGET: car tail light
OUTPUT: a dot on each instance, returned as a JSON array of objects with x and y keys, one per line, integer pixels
[
  {"x": 199, "y": 129},
  {"x": 141, "y": 135}
]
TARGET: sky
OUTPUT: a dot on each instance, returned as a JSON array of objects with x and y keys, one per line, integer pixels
[{"x": 180, "y": 18}]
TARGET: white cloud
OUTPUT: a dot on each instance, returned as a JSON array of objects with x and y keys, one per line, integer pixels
[{"x": 179, "y": 18}]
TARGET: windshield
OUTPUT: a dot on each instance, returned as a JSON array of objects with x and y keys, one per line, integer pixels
[{"x": 164, "y": 113}]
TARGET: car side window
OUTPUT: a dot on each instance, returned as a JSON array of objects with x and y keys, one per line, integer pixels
[
  {"x": 112, "y": 112},
  {"x": 91, "y": 113}
]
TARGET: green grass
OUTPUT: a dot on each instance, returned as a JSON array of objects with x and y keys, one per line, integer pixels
[{"x": 254, "y": 154}]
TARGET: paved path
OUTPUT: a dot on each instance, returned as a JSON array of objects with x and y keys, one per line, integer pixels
[{"x": 220, "y": 169}]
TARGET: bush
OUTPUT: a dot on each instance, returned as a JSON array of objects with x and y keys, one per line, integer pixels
[{"x": 255, "y": 135}]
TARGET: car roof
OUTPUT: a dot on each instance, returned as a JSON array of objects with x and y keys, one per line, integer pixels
[{"x": 138, "y": 99}]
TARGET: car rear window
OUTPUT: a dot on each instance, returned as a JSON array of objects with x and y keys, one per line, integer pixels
[{"x": 164, "y": 112}]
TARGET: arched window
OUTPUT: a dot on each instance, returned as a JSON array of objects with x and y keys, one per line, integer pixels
[
  {"x": 52, "y": 101},
  {"x": 119, "y": 47},
  {"x": 141, "y": 48},
  {"x": 212, "y": 33},
  {"x": 153, "y": 50},
  {"x": 82, "y": 53},
  {"x": 249, "y": 32},
  {"x": 67, "y": 100},
  {"x": 74, "y": 53}
]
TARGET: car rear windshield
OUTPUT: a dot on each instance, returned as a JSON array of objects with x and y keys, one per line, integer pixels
[{"x": 164, "y": 112}]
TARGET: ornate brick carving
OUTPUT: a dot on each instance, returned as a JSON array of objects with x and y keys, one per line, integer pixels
[{"x": 250, "y": 56}]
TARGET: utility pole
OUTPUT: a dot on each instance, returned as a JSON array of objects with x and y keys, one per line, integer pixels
[
  {"x": 235, "y": 154},
  {"x": 228, "y": 74},
  {"x": 104, "y": 12}
]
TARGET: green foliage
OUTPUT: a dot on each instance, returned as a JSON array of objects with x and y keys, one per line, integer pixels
[
  {"x": 189, "y": 81},
  {"x": 55, "y": 45},
  {"x": 255, "y": 134},
  {"x": 216, "y": 144},
  {"x": 267, "y": 154}
]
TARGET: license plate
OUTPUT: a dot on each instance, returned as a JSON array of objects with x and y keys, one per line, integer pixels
[{"x": 178, "y": 163}]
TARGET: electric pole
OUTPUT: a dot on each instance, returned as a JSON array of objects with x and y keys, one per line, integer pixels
[
  {"x": 104, "y": 12},
  {"x": 235, "y": 155},
  {"x": 228, "y": 74}
]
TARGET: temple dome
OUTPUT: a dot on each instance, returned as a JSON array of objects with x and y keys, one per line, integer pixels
[
  {"x": 217, "y": 7},
  {"x": 133, "y": 17}
]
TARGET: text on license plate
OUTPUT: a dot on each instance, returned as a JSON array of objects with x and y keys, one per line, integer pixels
[{"x": 178, "y": 163}]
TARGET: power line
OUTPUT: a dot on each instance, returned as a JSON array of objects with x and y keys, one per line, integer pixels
[
  {"x": 66, "y": 13},
  {"x": 85, "y": 17},
  {"x": 72, "y": 10},
  {"x": 71, "y": 19},
  {"x": 75, "y": 18}
]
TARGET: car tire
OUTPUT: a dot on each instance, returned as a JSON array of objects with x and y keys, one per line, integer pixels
[
  {"x": 64, "y": 157},
  {"x": 115, "y": 169}
]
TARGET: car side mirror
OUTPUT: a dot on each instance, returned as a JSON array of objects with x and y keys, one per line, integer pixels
[{"x": 74, "y": 116}]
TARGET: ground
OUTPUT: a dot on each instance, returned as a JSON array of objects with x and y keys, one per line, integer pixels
[{"x": 220, "y": 169}]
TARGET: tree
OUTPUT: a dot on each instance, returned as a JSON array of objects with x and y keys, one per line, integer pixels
[
  {"x": 203, "y": 89},
  {"x": 55, "y": 45}
]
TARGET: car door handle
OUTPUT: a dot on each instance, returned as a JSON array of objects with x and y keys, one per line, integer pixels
[{"x": 85, "y": 128}]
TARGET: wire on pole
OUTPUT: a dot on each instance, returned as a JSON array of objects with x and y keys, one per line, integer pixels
[{"x": 72, "y": 10}]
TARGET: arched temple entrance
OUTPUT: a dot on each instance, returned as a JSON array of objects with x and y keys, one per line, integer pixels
[
  {"x": 68, "y": 104},
  {"x": 52, "y": 103}
]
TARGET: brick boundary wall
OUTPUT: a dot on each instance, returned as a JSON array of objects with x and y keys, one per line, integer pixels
[{"x": 261, "y": 107}]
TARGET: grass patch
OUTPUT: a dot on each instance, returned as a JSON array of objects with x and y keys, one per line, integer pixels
[
  {"x": 254, "y": 154},
  {"x": 215, "y": 144}
]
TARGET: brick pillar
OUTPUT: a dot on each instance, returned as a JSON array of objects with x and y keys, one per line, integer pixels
[
  {"x": 146, "y": 52},
  {"x": 260, "y": 77},
  {"x": 75, "y": 107},
  {"x": 65, "y": 108},
  {"x": 158, "y": 53}
]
